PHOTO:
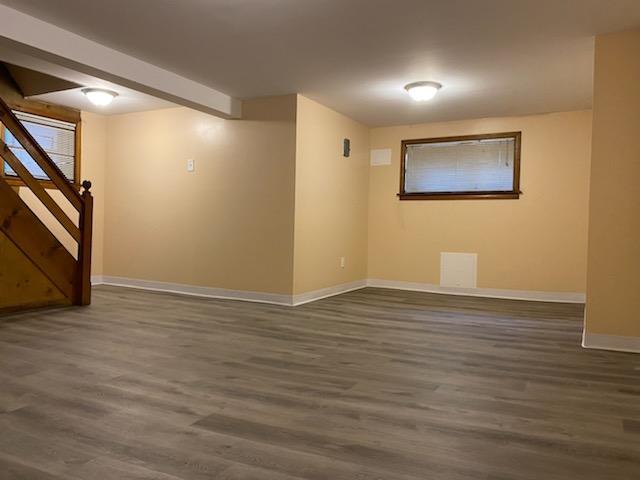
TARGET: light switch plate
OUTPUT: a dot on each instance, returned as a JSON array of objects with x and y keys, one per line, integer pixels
[{"x": 191, "y": 165}]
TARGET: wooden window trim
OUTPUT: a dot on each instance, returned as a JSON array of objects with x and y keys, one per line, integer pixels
[
  {"x": 45, "y": 110},
  {"x": 474, "y": 195}
]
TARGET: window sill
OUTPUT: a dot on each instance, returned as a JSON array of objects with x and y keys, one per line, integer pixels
[{"x": 460, "y": 196}]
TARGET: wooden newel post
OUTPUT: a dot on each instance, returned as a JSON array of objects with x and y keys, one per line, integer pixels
[{"x": 83, "y": 284}]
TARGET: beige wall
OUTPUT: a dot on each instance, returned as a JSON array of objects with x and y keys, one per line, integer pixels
[
  {"x": 93, "y": 168},
  {"x": 227, "y": 225},
  {"x": 93, "y": 164},
  {"x": 273, "y": 205},
  {"x": 331, "y": 198},
  {"x": 613, "y": 285},
  {"x": 535, "y": 243}
]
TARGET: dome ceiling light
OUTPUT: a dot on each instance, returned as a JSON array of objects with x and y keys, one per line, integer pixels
[
  {"x": 99, "y": 96},
  {"x": 422, "y": 91}
]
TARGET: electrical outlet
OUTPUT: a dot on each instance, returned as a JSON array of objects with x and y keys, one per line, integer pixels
[
  {"x": 341, "y": 262},
  {"x": 191, "y": 165}
]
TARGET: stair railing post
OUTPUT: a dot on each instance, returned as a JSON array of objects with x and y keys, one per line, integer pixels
[{"x": 83, "y": 284}]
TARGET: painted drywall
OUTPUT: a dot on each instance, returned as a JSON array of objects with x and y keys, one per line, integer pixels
[
  {"x": 331, "y": 198},
  {"x": 228, "y": 224},
  {"x": 613, "y": 282},
  {"x": 21, "y": 283},
  {"x": 93, "y": 168},
  {"x": 93, "y": 163},
  {"x": 273, "y": 204},
  {"x": 537, "y": 242}
]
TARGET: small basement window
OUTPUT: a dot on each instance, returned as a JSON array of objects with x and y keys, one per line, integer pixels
[
  {"x": 474, "y": 166},
  {"x": 58, "y": 138}
]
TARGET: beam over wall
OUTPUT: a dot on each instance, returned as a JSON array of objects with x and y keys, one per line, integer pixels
[{"x": 31, "y": 36}]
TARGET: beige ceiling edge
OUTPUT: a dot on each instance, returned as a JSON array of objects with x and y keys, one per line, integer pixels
[{"x": 54, "y": 46}]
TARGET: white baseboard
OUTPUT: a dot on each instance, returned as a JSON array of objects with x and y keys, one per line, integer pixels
[
  {"x": 531, "y": 295},
  {"x": 197, "y": 291},
  {"x": 307, "y": 297},
  {"x": 222, "y": 293},
  {"x": 302, "y": 298},
  {"x": 618, "y": 343}
]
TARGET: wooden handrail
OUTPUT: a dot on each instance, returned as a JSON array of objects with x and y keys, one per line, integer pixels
[
  {"x": 39, "y": 191},
  {"x": 38, "y": 154}
]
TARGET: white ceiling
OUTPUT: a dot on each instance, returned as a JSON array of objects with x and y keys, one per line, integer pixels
[{"x": 494, "y": 57}]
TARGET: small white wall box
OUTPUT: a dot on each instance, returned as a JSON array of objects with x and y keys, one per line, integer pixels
[
  {"x": 458, "y": 269},
  {"x": 380, "y": 157}
]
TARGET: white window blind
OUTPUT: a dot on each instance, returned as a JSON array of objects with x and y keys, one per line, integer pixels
[
  {"x": 485, "y": 165},
  {"x": 56, "y": 137}
]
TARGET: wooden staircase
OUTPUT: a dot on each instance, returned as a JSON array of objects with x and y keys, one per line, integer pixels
[{"x": 69, "y": 274}]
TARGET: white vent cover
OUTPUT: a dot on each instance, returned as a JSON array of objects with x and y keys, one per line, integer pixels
[
  {"x": 458, "y": 269},
  {"x": 381, "y": 157}
]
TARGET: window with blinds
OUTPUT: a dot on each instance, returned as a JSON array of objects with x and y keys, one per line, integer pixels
[
  {"x": 56, "y": 137},
  {"x": 478, "y": 166}
]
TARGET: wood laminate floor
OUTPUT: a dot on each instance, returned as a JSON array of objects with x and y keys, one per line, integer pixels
[{"x": 371, "y": 385}]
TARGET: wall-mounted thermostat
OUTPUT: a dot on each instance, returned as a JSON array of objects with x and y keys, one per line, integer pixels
[{"x": 346, "y": 147}]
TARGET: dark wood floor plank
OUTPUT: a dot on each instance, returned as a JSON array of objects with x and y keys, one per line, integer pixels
[
  {"x": 11, "y": 469},
  {"x": 632, "y": 426},
  {"x": 374, "y": 384}
]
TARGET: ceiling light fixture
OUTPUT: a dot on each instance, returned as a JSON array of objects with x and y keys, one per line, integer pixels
[
  {"x": 99, "y": 96},
  {"x": 422, "y": 91}
]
